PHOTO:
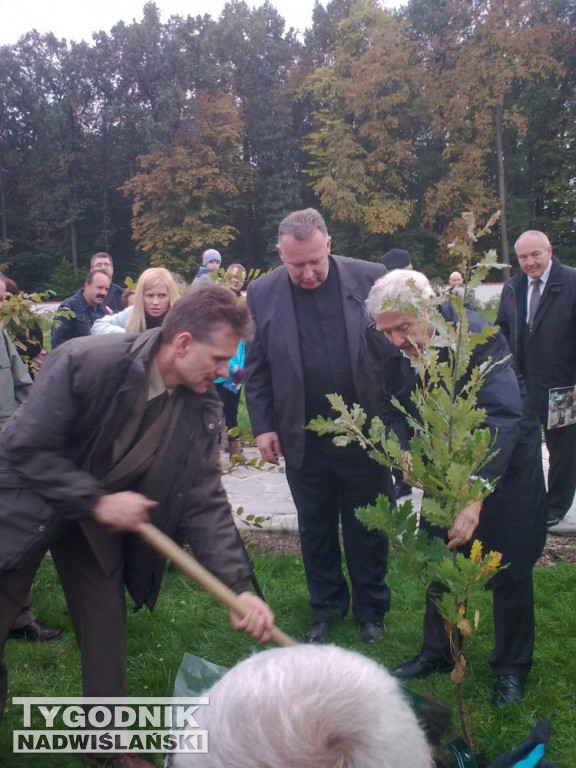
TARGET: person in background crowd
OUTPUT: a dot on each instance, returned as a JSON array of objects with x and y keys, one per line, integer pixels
[
  {"x": 211, "y": 260},
  {"x": 229, "y": 388},
  {"x": 455, "y": 280},
  {"x": 512, "y": 520},
  {"x": 15, "y": 382},
  {"x": 312, "y": 340},
  {"x": 235, "y": 277},
  {"x": 537, "y": 315},
  {"x": 86, "y": 306},
  {"x": 456, "y": 287},
  {"x": 103, "y": 261},
  {"x": 30, "y": 345},
  {"x": 127, "y": 297},
  {"x": 308, "y": 707},
  {"x": 155, "y": 293},
  {"x": 397, "y": 258}
]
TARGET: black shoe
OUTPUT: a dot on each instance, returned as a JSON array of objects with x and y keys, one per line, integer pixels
[
  {"x": 318, "y": 633},
  {"x": 372, "y": 631},
  {"x": 35, "y": 633},
  {"x": 420, "y": 666},
  {"x": 508, "y": 689}
]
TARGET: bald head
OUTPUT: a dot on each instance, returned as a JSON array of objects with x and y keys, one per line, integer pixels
[
  {"x": 455, "y": 280},
  {"x": 534, "y": 253}
]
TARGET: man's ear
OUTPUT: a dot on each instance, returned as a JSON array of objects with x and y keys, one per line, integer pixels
[
  {"x": 329, "y": 243},
  {"x": 279, "y": 252},
  {"x": 182, "y": 342}
]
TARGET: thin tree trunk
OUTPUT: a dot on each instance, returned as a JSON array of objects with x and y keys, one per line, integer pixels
[
  {"x": 3, "y": 206},
  {"x": 502, "y": 191},
  {"x": 106, "y": 219},
  {"x": 74, "y": 246}
]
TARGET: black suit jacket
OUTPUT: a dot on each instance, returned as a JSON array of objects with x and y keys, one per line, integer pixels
[
  {"x": 546, "y": 357},
  {"x": 273, "y": 369},
  {"x": 513, "y": 518}
]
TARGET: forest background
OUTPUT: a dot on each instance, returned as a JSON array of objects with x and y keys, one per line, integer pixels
[{"x": 158, "y": 140}]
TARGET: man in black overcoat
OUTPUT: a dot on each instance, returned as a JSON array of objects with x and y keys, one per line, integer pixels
[
  {"x": 544, "y": 349},
  {"x": 511, "y": 520}
]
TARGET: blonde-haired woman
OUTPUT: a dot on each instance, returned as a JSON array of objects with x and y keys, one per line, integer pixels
[{"x": 155, "y": 293}]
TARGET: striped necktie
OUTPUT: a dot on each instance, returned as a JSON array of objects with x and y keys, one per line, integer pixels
[{"x": 534, "y": 301}]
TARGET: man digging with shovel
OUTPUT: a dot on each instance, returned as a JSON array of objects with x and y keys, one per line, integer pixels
[{"x": 119, "y": 431}]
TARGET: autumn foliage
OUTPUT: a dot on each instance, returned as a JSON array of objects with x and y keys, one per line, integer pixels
[{"x": 159, "y": 139}]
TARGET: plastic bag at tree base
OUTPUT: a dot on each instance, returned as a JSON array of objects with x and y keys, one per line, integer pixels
[{"x": 195, "y": 676}]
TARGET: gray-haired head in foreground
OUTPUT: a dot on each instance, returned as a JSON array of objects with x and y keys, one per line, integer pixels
[
  {"x": 402, "y": 285},
  {"x": 309, "y": 707},
  {"x": 302, "y": 224}
]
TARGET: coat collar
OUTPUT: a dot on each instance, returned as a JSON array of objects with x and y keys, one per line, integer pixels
[{"x": 131, "y": 377}]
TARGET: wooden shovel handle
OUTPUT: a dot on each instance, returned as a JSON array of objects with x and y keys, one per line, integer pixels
[{"x": 192, "y": 568}]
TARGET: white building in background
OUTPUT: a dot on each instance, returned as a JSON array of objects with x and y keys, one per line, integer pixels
[{"x": 488, "y": 291}]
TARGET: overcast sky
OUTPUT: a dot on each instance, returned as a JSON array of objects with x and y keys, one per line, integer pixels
[{"x": 75, "y": 20}]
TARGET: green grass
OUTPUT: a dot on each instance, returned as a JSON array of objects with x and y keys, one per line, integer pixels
[{"x": 186, "y": 619}]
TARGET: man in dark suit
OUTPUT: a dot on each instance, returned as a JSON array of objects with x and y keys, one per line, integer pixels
[
  {"x": 511, "y": 520},
  {"x": 311, "y": 341},
  {"x": 537, "y": 315}
]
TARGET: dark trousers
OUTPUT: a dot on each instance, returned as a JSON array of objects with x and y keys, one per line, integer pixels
[
  {"x": 561, "y": 444},
  {"x": 25, "y": 616},
  {"x": 327, "y": 489},
  {"x": 230, "y": 401},
  {"x": 514, "y": 630},
  {"x": 96, "y": 602}
]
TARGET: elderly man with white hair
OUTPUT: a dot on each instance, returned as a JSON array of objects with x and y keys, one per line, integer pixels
[
  {"x": 537, "y": 315},
  {"x": 512, "y": 519},
  {"x": 308, "y": 706}
]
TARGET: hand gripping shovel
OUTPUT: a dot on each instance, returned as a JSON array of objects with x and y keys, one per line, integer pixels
[{"x": 192, "y": 568}]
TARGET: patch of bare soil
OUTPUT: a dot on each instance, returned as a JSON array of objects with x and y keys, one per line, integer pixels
[
  {"x": 271, "y": 542},
  {"x": 557, "y": 549}
]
